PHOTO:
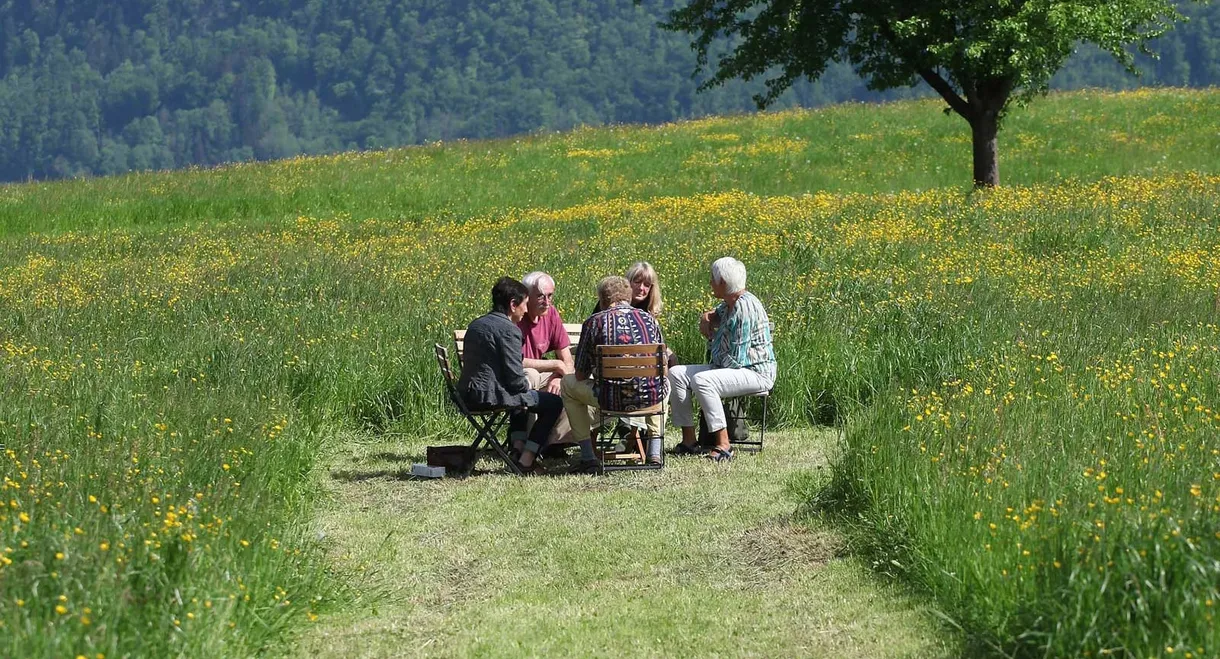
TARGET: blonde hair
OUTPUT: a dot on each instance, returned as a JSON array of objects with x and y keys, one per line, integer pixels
[{"x": 643, "y": 270}]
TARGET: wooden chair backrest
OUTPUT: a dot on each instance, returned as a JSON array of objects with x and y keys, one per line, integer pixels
[
  {"x": 459, "y": 339},
  {"x": 442, "y": 360},
  {"x": 633, "y": 361}
]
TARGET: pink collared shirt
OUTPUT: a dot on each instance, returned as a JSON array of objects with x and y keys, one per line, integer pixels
[{"x": 539, "y": 338}]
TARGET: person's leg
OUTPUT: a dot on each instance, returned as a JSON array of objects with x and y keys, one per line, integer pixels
[
  {"x": 537, "y": 379},
  {"x": 549, "y": 407},
  {"x": 682, "y": 399},
  {"x": 561, "y": 432},
  {"x": 518, "y": 424},
  {"x": 713, "y": 385},
  {"x": 656, "y": 425},
  {"x": 546, "y": 408},
  {"x": 518, "y": 429},
  {"x": 578, "y": 397}
]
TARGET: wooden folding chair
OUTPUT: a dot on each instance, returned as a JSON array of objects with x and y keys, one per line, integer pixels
[
  {"x": 487, "y": 424},
  {"x": 612, "y": 365}
]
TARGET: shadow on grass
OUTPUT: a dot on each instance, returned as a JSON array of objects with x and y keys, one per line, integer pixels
[
  {"x": 387, "y": 456},
  {"x": 360, "y": 475}
]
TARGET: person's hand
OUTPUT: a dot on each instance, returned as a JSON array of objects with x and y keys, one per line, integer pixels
[
  {"x": 553, "y": 387},
  {"x": 705, "y": 324},
  {"x": 561, "y": 368}
]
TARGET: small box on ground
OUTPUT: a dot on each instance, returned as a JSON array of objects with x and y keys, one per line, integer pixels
[
  {"x": 424, "y": 471},
  {"x": 459, "y": 458}
]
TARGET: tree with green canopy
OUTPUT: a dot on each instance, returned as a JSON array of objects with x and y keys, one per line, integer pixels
[{"x": 979, "y": 55}]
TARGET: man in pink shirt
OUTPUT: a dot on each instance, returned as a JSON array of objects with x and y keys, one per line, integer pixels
[{"x": 542, "y": 332}]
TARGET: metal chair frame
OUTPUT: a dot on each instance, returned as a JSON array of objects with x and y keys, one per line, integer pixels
[
  {"x": 622, "y": 362},
  {"x": 749, "y": 444},
  {"x": 487, "y": 424}
]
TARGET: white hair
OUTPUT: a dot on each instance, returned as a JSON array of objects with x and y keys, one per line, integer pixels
[
  {"x": 730, "y": 272},
  {"x": 532, "y": 279}
]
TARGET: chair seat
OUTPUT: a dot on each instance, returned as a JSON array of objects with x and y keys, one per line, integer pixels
[
  {"x": 643, "y": 411},
  {"x": 490, "y": 411}
]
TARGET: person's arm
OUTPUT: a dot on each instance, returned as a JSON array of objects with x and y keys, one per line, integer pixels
[
  {"x": 510, "y": 348},
  {"x": 709, "y": 323},
  {"x": 569, "y": 361},
  {"x": 583, "y": 364},
  {"x": 671, "y": 359},
  {"x": 736, "y": 341},
  {"x": 559, "y": 366}
]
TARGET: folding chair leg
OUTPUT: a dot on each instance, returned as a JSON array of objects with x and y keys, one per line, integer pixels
[
  {"x": 762, "y": 432},
  {"x": 486, "y": 434}
]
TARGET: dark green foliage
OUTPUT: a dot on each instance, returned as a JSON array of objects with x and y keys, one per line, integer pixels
[{"x": 88, "y": 88}]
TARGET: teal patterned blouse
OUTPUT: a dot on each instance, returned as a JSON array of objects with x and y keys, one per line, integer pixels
[{"x": 743, "y": 339}]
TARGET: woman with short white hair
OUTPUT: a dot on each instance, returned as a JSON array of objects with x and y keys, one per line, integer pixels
[{"x": 743, "y": 360}]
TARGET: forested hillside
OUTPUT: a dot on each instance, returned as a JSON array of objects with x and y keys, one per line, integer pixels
[{"x": 103, "y": 88}]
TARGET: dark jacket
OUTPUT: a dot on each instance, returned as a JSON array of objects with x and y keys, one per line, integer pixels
[{"x": 491, "y": 365}]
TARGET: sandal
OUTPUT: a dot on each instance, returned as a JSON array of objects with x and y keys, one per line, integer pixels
[
  {"x": 683, "y": 449},
  {"x": 720, "y": 455}
]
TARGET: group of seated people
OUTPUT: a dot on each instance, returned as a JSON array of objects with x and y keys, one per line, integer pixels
[{"x": 505, "y": 363}]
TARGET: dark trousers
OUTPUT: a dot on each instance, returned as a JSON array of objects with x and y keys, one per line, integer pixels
[{"x": 547, "y": 406}]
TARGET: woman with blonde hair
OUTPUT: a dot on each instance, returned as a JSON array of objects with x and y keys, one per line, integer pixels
[{"x": 645, "y": 288}]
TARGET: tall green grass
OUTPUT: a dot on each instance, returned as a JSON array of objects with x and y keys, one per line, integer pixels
[{"x": 187, "y": 343}]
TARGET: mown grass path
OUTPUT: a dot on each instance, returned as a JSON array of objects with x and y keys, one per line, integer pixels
[{"x": 700, "y": 559}]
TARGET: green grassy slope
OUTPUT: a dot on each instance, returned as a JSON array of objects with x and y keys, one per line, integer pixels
[
  {"x": 179, "y": 350},
  {"x": 841, "y": 149}
]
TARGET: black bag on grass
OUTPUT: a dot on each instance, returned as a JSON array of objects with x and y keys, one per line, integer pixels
[{"x": 735, "y": 415}]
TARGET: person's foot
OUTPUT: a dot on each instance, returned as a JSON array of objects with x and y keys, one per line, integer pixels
[
  {"x": 720, "y": 455},
  {"x": 688, "y": 449}
]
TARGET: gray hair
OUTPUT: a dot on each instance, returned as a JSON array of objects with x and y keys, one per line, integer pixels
[
  {"x": 612, "y": 290},
  {"x": 532, "y": 279},
  {"x": 730, "y": 272}
]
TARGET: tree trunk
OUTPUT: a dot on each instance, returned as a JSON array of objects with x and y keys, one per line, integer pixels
[{"x": 983, "y": 128}]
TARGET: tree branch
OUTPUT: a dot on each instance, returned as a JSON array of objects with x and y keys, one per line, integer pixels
[
  {"x": 946, "y": 91},
  {"x": 930, "y": 76}
]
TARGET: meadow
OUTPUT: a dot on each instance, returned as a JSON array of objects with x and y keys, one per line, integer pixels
[{"x": 1026, "y": 378}]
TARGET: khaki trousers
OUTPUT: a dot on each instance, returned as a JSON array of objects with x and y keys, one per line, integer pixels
[{"x": 580, "y": 404}]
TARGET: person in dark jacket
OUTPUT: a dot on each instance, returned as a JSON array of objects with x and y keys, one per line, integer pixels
[{"x": 492, "y": 375}]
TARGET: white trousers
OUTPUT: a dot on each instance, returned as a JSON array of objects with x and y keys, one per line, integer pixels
[{"x": 710, "y": 385}]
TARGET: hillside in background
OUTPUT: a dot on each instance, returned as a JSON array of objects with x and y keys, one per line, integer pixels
[{"x": 88, "y": 88}]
